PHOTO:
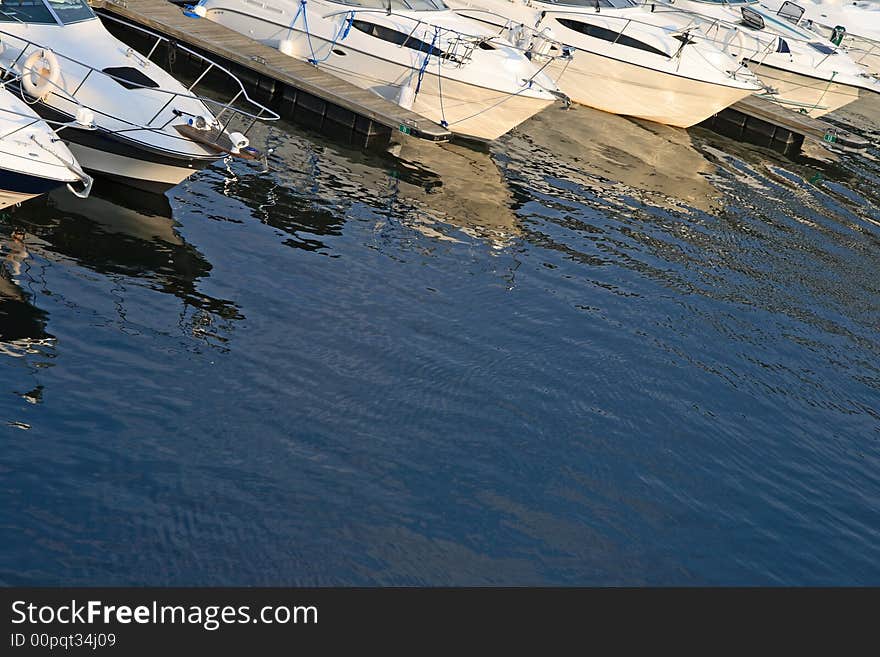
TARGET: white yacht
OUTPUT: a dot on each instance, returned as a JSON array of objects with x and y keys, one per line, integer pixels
[
  {"x": 854, "y": 25},
  {"x": 800, "y": 69},
  {"x": 616, "y": 56},
  {"x": 144, "y": 127},
  {"x": 417, "y": 53},
  {"x": 33, "y": 160}
]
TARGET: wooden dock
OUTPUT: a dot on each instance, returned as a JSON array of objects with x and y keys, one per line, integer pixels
[
  {"x": 763, "y": 122},
  {"x": 299, "y": 91}
]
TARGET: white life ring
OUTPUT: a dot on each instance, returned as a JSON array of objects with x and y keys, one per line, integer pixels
[{"x": 40, "y": 73}]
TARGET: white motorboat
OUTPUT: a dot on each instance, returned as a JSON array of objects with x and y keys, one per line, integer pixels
[
  {"x": 417, "y": 53},
  {"x": 33, "y": 160},
  {"x": 137, "y": 123},
  {"x": 801, "y": 69},
  {"x": 854, "y": 25},
  {"x": 619, "y": 57}
]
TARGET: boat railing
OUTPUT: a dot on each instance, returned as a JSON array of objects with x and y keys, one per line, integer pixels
[
  {"x": 31, "y": 117},
  {"x": 227, "y": 115},
  {"x": 859, "y": 52},
  {"x": 629, "y": 21},
  {"x": 766, "y": 42},
  {"x": 30, "y": 120},
  {"x": 515, "y": 28},
  {"x": 684, "y": 32},
  {"x": 255, "y": 111},
  {"x": 711, "y": 22},
  {"x": 697, "y": 21},
  {"x": 459, "y": 45}
]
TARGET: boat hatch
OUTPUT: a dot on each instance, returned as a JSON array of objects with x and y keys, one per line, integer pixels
[
  {"x": 130, "y": 78},
  {"x": 791, "y": 12},
  {"x": 752, "y": 19},
  {"x": 822, "y": 48}
]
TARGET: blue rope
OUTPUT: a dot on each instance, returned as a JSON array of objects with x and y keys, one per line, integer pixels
[
  {"x": 424, "y": 65},
  {"x": 340, "y": 35},
  {"x": 302, "y": 6},
  {"x": 189, "y": 10}
]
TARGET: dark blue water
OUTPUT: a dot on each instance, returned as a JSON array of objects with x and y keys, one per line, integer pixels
[{"x": 602, "y": 352}]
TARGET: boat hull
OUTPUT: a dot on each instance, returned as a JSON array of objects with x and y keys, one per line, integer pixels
[
  {"x": 468, "y": 105},
  {"x": 129, "y": 161},
  {"x": 631, "y": 90},
  {"x": 813, "y": 96},
  {"x": 134, "y": 140},
  {"x": 469, "y": 111},
  {"x": 133, "y": 170},
  {"x": 16, "y": 187}
]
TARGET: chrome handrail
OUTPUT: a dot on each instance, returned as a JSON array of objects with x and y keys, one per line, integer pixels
[
  {"x": 257, "y": 112},
  {"x": 264, "y": 113},
  {"x": 471, "y": 41}
]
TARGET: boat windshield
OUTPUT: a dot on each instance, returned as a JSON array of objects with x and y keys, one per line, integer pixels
[
  {"x": 48, "y": 12},
  {"x": 401, "y": 5},
  {"x": 613, "y": 4}
]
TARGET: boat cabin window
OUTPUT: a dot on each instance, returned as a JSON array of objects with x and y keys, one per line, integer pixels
[
  {"x": 609, "y": 35},
  {"x": 71, "y": 11},
  {"x": 25, "y": 11},
  {"x": 393, "y": 36},
  {"x": 403, "y": 5},
  {"x": 47, "y": 12}
]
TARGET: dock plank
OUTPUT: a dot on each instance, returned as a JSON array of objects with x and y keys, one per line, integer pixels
[{"x": 221, "y": 42}]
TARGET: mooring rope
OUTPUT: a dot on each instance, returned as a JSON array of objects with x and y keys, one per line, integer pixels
[
  {"x": 340, "y": 35},
  {"x": 72, "y": 165},
  {"x": 424, "y": 65}
]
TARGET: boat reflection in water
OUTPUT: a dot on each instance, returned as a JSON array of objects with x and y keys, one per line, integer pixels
[
  {"x": 117, "y": 232},
  {"x": 616, "y": 157},
  {"x": 458, "y": 186},
  {"x": 448, "y": 191},
  {"x": 22, "y": 325}
]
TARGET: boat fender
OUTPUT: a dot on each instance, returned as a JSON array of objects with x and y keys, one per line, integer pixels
[
  {"x": 285, "y": 47},
  {"x": 85, "y": 117},
  {"x": 41, "y": 72},
  {"x": 239, "y": 142},
  {"x": 407, "y": 94},
  {"x": 195, "y": 11},
  {"x": 520, "y": 37}
]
